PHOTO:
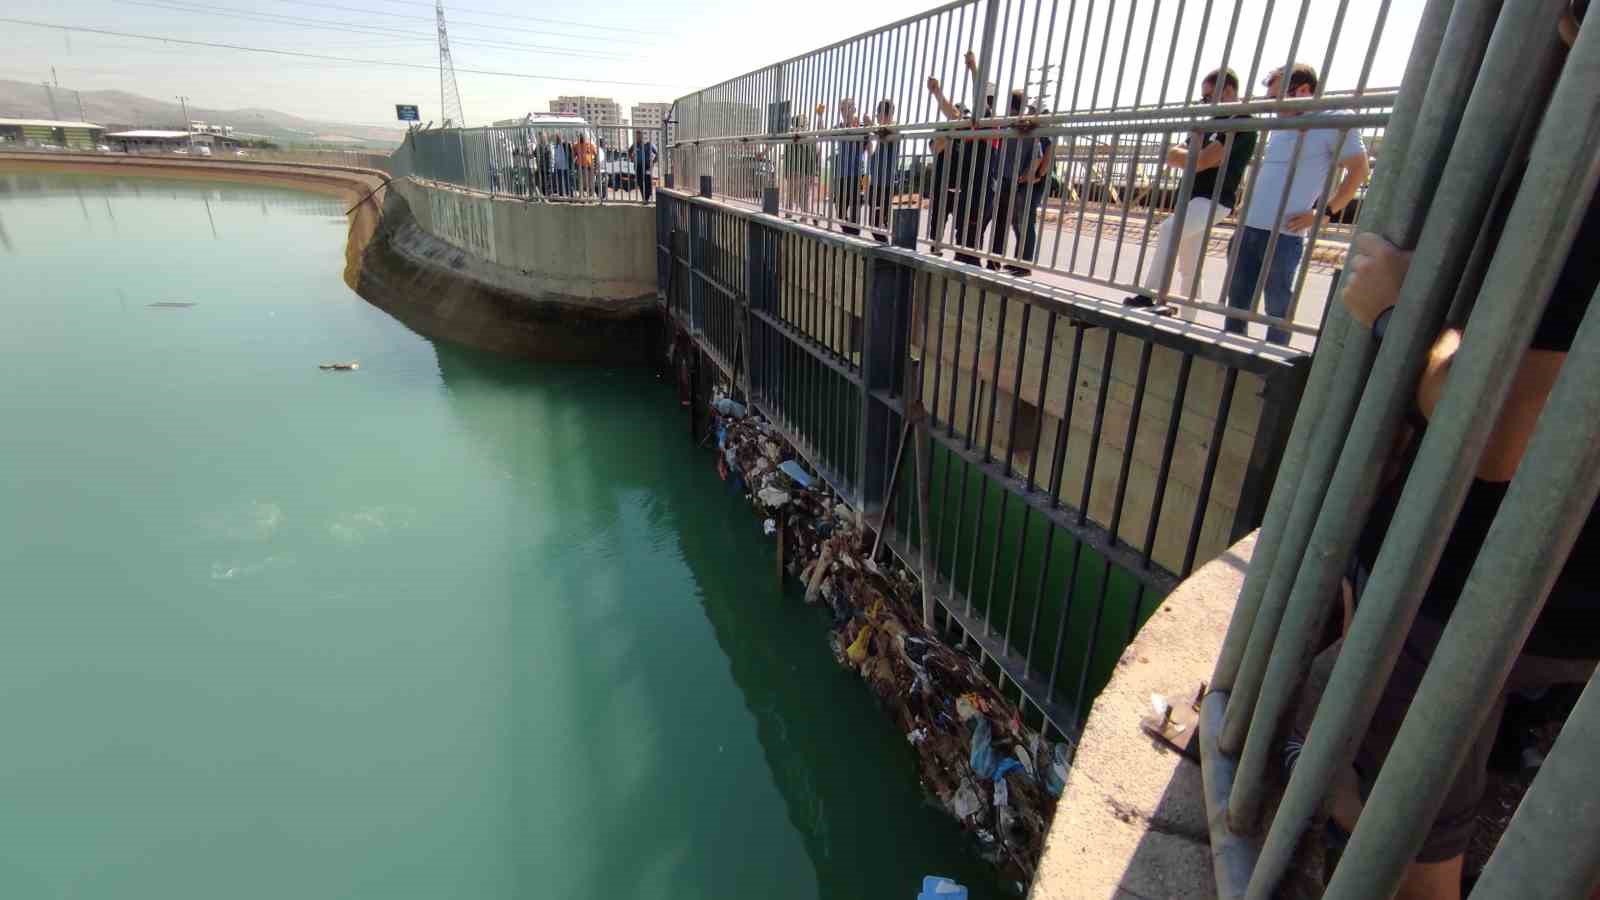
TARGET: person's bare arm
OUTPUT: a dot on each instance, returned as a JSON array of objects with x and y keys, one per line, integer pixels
[
  {"x": 1376, "y": 273},
  {"x": 945, "y": 106},
  {"x": 1209, "y": 157},
  {"x": 1356, "y": 169}
]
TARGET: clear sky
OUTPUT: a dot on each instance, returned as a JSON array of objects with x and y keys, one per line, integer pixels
[{"x": 629, "y": 50}]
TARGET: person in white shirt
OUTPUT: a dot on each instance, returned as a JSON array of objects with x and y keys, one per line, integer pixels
[{"x": 1290, "y": 215}]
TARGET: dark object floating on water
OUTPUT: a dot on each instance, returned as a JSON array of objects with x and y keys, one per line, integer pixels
[
  {"x": 172, "y": 304},
  {"x": 341, "y": 366}
]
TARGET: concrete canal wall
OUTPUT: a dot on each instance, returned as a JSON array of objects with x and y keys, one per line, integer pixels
[
  {"x": 550, "y": 281},
  {"x": 558, "y": 282}
]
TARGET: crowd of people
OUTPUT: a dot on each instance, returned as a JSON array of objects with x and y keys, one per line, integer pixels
[
  {"x": 986, "y": 195},
  {"x": 566, "y": 163}
]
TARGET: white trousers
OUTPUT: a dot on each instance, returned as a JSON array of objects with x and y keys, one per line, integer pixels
[{"x": 1187, "y": 246}]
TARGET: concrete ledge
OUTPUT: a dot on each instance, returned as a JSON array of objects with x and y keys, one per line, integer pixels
[
  {"x": 1132, "y": 821},
  {"x": 440, "y": 290}
]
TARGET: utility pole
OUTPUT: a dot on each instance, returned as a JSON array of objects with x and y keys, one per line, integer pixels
[
  {"x": 53, "y": 79},
  {"x": 52, "y": 95},
  {"x": 82, "y": 116},
  {"x": 1043, "y": 82},
  {"x": 187, "y": 129}
]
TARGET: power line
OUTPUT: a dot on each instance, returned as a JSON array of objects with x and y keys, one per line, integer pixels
[
  {"x": 355, "y": 27},
  {"x": 83, "y": 29},
  {"x": 499, "y": 14},
  {"x": 497, "y": 26}
]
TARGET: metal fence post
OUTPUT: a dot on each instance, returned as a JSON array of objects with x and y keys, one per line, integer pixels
[
  {"x": 760, "y": 260},
  {"x": 886, "y": 332}
]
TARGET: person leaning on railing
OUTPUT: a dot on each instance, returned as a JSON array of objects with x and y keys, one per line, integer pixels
[
  {"x": 584, "y": 154},
  {"x": 799, "y": 170},
  {"x": 1209, "y": 200},
  {"x": 974, "y": 163},
  {"x": 940, "y": 188},
  {"x": 881, "y": 167},
  {"x": 847, "y": 174},
  {"x": 1322, "y": 149},
  {"x": 1019, "y": 172},
  {"x": 643, "y": 156},
  {"x": 1564, "y": 644}
]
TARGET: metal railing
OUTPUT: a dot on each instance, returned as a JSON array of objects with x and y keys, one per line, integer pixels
[
  {"x": 1060, "y": 167},
  {"x": 1076, "y": 460},
  {"x": 542, "y": 162},
  {"x": 1461, "y": 158}
]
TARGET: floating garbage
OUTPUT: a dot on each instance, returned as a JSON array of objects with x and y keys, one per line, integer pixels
[
  {"x": 173, "y": 304},
  {"x": 935, "y": 887},
  {"x": 796, "y": 472},
  {"x": 1000, "y": 778},
  {"x": 340, "y": 366}
]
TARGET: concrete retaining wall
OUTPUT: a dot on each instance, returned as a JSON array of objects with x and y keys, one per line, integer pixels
[
  {"x": 604, "y": 253},
  {"x": 558, "y": 282}
]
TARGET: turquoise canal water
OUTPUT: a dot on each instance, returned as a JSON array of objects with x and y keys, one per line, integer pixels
[{"x": 446, "y": 626}]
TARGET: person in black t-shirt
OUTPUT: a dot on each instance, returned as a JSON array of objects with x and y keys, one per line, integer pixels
[
  {"x": 1564, "y": 644},
  {"x": 973, "y": 161},
  {"x": 1219, "y": 167}
]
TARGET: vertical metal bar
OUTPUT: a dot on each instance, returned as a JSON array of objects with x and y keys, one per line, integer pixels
[
  {"x": 1549, "y": 852},
  {"x": 1094, "y": 635},
  {"x": 1219, "y": 430},
  {"x": 1106, "y": 365},
  {"x": 1179, "y": 393},
  {"x": 1561, "y": 179},
  {"x": 1324, "y": 395},
  {"x": 1465, "y": 183},
  {"x": 1141, "y": 383}
]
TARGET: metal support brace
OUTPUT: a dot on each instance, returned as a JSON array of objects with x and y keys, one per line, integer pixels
[{"x": 886, "y": 329}]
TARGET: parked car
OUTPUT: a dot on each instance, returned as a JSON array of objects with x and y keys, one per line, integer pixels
[{"x": 618, "y": 170}]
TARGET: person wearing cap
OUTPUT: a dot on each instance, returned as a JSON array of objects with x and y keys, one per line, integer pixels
[
  {"x": 1219, "y": 167},
  {"x": 1293, "y": 170},
  {"x": 974, "y": 165}
]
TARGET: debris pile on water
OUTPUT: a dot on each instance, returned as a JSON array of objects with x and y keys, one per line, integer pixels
[{"x": 999, "y": 777}]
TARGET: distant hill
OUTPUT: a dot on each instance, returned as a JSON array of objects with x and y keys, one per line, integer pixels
[{"x": 122, "y": 110}]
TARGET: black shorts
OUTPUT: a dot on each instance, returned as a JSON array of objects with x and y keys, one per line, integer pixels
[{"x": 1453, "y": 829}]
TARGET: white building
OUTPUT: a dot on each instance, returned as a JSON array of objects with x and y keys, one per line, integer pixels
[
  {"x": 596, "y": 110},
  {"x": 649, "y": 115}
]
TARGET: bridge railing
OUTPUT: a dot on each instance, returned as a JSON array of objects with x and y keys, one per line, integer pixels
[
  {"x": 540, "y": 162},
  {"x": 1492, "y": 202},
  {"x": 1078, "y": 458},
  {"x": 1058, "y": 162}
]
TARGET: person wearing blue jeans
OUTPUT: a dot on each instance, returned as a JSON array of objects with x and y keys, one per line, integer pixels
[
  {"x": 1286, "y": 200},
  {"x": 1280, "y": 277}
]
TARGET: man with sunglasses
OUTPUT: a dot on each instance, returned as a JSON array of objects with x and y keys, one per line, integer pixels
[{"x": 1219, "y": 166}]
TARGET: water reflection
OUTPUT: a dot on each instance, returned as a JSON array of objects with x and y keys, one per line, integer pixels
[{"x": 845, "y": 777}]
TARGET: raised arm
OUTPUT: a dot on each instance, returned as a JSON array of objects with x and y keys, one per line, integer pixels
[{"x": 945, "y": 106}]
